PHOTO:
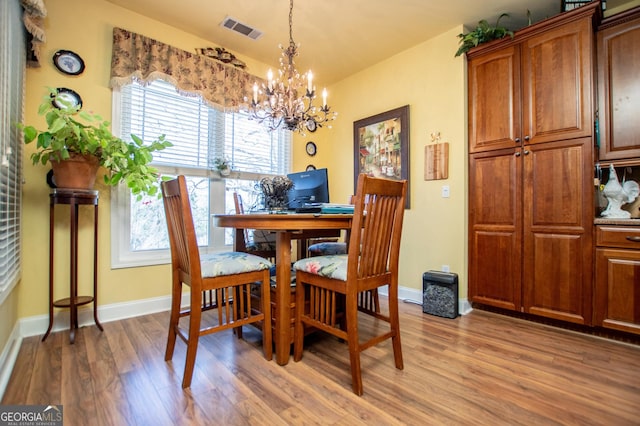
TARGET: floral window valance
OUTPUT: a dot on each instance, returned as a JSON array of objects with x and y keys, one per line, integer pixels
[
  {"x": 142, "y": 59},
  {"x": 33, "y": 19}
]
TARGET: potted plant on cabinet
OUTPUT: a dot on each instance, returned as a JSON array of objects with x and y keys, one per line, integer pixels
[
  {"x": 483, "y": 33},
  {"x": 80, "y": 142}
]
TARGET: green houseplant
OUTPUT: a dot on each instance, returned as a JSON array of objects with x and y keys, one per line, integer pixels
[
  {"x": 222, "y": 166},
  {"x": 76, "y": 136},
  {"x": 482, "y": 34}
]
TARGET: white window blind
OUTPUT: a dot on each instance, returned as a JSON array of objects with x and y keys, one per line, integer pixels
[
  {"x": 12, "y": 65},
  {"x": 200, "y": 133}
]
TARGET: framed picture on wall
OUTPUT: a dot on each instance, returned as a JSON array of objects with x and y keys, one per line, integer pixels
[
  {"x": 573, "y": 4},
  {"x": 381, "y": 146}
]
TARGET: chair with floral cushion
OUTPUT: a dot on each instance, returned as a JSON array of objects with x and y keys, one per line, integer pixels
[
  {"x": 371, "y": 262},
  {"x": 368, "y": 300},
  {"x": 216, "y": 280}
]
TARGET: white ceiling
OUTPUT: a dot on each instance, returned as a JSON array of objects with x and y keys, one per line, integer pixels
[{"x": 337, "y": 37}]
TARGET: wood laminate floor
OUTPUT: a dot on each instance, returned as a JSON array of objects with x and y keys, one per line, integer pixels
[{"x": 481, "y": 368}]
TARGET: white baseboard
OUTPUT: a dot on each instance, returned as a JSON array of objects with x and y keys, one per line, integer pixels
[
  {"x": 8, "y": 357},
  {"x": 33, "y": 326},
  {"x": 412, "y": 295},
  {"x": 37, "y": 325}
]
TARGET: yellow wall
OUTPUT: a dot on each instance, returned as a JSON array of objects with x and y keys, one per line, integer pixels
[
  {"x": 430, "y": 80},
  {"x": 85, "y": 27},
  {"x": 426, "y": 77}
]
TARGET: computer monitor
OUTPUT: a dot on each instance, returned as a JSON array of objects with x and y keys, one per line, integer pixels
[{"x": 311, "y": 186}]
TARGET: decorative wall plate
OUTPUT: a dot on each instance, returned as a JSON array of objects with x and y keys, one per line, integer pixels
[
  {"x": 50, "y": 179},
  {"x": 68, "y": 62},
  {"x": 311, "y": 148},
  {"x": 311, "y": 167},
  {"x": 67, "y": 95}
]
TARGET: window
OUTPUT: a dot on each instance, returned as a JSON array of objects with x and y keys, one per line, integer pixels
[
  {"x": 12, "y": 65},
  {"x": 199, "y": 134}
]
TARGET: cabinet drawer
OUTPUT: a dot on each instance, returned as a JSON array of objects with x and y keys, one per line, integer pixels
[{"x": 618, "y": 236}]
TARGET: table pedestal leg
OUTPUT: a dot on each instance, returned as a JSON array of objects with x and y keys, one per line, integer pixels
[{"x": 283, "y": 297}]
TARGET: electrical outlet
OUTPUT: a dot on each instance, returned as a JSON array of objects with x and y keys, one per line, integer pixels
[
  {"x": 445, "y": 268},
  {"x": 445, "y": 191}
]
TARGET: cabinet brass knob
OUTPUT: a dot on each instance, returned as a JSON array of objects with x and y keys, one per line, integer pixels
[
  {"x": 526, "y": 138},
  {"x": 634, "y": 239},
  {"x": 518, "y": 154}
]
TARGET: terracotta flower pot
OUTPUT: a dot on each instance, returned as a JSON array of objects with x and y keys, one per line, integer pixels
[{"x": 77, "y": 172}]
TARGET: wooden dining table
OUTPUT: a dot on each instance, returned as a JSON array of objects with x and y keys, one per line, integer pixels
[{"x": 287, "y": 227}]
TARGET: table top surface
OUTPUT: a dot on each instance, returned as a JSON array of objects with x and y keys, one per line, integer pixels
[{"x": 284, "y": 221}]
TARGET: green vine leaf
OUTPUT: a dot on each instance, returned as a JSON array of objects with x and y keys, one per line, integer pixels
[{"x": 481, "y": 34}]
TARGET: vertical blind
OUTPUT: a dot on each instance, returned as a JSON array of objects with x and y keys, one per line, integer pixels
[
  {"x": 12, "y": 66},
  {"x": 200, "y": 133}
]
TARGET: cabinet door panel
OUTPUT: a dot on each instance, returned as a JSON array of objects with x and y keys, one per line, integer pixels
[
  {"x": 618, "y": 290},
  {"x": 619, "y": 91},
  {"x": 557, "y": 228},
  {"x": 555, "y": 284},
  {"x": 494, "y": 100},
  {"x": 555, "y": 179},
  {"x": 495, "y": 234},
  {"x": 557, "y": 99}
]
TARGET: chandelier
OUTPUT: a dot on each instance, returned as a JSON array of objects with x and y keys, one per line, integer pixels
[{"x": 288, "y": 99}]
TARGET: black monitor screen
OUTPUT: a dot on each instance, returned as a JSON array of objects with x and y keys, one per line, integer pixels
[{"x": 308, "y": 187}]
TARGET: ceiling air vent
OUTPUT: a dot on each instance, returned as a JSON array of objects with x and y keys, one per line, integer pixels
[{"x": 241, "y": 28}]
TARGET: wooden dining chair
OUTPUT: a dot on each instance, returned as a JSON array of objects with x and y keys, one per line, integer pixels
[
  {"x": 367, "y": 300},
  {"x": 371, "y": 262},
  {"x": 326, "y": 246},
  {"x": 249, "y": 244},
  {"x": 218, "y": 281}
]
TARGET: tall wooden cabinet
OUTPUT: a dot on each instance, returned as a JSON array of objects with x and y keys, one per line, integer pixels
[
  {"x": 617, "y": 271},
  {"x": 530, "y": 169}
]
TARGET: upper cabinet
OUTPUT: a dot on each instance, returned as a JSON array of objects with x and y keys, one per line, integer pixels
[
  {"x": 618, "y": 41},
  {"x": 494, "y": 100},
  {"x": 535, "y": 88}
]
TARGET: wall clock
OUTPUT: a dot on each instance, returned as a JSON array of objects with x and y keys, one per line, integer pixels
[
  {"x": 311, "y": 124},
  {"x": 68, "y": 62},
  {"x": 311, "y": 148}
]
